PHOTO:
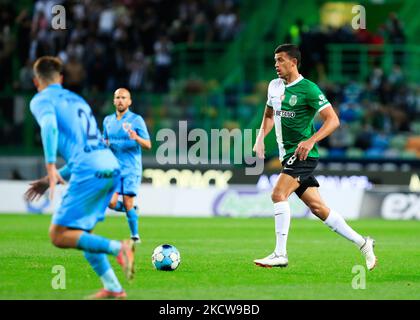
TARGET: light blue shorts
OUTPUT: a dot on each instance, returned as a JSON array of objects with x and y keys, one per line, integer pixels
[
  {"x": 129, "y": 185},
  {"x": 86, "y": 199}
]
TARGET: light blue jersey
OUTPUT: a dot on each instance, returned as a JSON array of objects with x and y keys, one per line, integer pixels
[
  {"x": 79, "y": 140},
  {"x": 127, "y": 151},
  {"x": 69, "y": 127}
]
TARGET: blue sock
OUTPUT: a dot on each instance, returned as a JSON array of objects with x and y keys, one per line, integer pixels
[
  {"x": 98, "y": 262},
  {"x": 119, "y": 207},
  {"x": 102, "y": 267},
  {"x": 96, "y": 244},
  {"x": 133, "y": 221}
]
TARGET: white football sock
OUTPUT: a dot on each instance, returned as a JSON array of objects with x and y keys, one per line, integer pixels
[
  {"x": 339, "y": 225},
  {"x": 282, "y": 224},
  {"x": 110, "y": 281}
]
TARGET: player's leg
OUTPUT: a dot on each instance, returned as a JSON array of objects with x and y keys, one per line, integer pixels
[
  {"x": 332, "y": 219},
  {"x": 65, "y": 237},
  {"x": 132, "y": 217},
  {"x": 130, "y": 187},
  {"x": 284, "y": 187},
  {"x": 112, "y": 287},
  {"x": 116, "y": 204},
  {"x": 335, "y": 222},
  {"x": 83, "y": 205}
]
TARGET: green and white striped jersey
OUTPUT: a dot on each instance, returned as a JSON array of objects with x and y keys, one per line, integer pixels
[{"x": 295, "y": 105}]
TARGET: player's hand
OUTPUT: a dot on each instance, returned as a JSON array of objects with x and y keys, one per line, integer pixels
[
  {"x": 132, "y": 134},
  {"x": 259, "y": 148},
  {"x": 53, "y": 178},
  {"x": 37, "y": 189},
  {"x": 303, "y": 149}
]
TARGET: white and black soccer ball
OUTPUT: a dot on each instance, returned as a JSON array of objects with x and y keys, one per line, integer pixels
[{"x": 166, "y": 257}]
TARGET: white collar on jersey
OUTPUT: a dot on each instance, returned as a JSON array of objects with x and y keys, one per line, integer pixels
[{"x": 294, "y": 82}]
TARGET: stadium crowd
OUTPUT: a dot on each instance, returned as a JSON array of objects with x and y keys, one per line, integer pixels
[
  {"x": 118, "y": 43},
  {"x": 376, "y": 116},
  {"x": 313, "y": 41},
  {"x": 128, "y": 43}
]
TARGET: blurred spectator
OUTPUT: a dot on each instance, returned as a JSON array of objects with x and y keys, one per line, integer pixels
[
  {"x": 74, "y": 74},
  {"x": 340, "y": 141},
  {"x": 396, "y": 77},
  {"x": 106, "y": 21},
  {"x": 97, "y": 68},
  {"x": 350, "y": 112},
  {"x": 6, "y": 45},
  {"x": 226, "y": 24},
  {"x": 25, "y": 77},
  {"x": 200, "y": 30},
  {"x": 363, "y": 139},
  {"x": 296, "y": 32},
  {"x": 163, "y": 60},
  {"x": 376, "y": 79},
  {"x": 23, "y": 36},
  {"x": 148, "y": 28},
  {"x": 396, "y": 36},
  {"x": 137, "y": 69}
]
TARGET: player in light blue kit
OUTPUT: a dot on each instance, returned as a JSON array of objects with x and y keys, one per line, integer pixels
[
  {"x": 69, "y": 127},
  {"x": 126, "y": 134}
]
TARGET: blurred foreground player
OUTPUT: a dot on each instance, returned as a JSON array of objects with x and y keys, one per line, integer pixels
[
  {"x": 126, "y": 134},
  {"x": 292, "y": 104},
  {"x": 69, "y": 127}
]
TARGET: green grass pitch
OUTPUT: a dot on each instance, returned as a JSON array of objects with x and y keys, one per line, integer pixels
[{"x": 217, "y": 260}]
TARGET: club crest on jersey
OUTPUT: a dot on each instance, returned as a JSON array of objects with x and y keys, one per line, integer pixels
[
  {"x": 293, "y": 100},
  {"x": 126, "y": 126}
]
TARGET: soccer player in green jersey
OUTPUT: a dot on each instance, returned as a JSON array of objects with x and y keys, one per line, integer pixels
[{"x": 292, "y": 104}]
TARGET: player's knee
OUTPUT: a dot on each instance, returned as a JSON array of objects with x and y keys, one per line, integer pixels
[
  {"x": 56, "y": 239},
  {"x": 318, "y": 209},
  {"x": 128, "y": 205},
  {"x": 278, "y": 196}
]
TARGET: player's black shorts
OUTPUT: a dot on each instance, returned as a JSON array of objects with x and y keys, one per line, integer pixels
[{"x": 303, "y": 171}]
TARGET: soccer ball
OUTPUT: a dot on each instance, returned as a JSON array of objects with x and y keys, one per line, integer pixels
[{"x": 166, "y": 257}]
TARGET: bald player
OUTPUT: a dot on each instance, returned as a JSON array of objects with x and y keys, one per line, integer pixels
[{"x": 126, "y": 134}]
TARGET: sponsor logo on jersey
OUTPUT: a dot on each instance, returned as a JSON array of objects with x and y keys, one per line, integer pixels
[
  {"x": 285, "y": 114},
  {"x": 322, "y": 99},
  {"x": 293, "y": 100}
]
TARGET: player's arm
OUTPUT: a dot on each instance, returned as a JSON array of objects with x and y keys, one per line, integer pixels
[
  {"x": 105, "y": 133},
  {"x": 44, "y": 113},
  {"x": 267, "y": 122},
  {"x": 146, "y": 144},
  {"x": 39, "y": 187},
  {"x": 330, "y": 123},
  {"x": 266, "y": 126},
  {"x": 140, "y": 135}
]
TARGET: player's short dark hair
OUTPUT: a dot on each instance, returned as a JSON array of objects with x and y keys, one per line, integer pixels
[
  {"x": 292, "y": 51},
  {"x": 48, "y": 67}
]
